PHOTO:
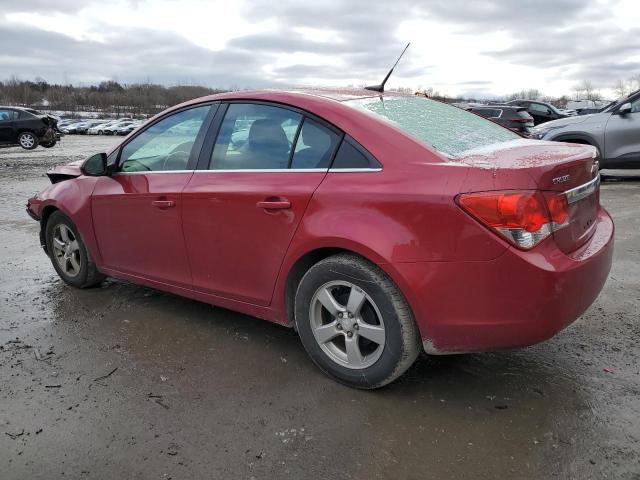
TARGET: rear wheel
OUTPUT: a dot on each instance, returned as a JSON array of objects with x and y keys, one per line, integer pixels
[
  {"x": 69, "y": 254},
  {"x": 28, "y": 140},
  {"x": 354, "y": 322}
]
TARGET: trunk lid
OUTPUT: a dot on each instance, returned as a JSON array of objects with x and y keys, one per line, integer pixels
[{"x": 552, "y": 167}]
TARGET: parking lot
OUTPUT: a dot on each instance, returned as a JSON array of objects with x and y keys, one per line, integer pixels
[{"x": 122, "y": 381}]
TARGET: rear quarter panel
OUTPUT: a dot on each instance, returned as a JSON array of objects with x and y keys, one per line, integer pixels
[{"x": 391, "y": 217}]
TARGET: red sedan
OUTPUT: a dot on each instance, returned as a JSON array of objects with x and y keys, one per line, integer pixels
[{"x": 377, "y": 225}]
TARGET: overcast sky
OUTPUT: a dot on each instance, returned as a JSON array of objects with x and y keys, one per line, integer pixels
[{"x": 459, "y": 47}]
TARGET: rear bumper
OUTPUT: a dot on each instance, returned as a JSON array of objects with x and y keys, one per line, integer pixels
[{"x": 518, "y": 299}]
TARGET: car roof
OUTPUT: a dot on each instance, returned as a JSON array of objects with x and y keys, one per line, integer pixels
[{"x": 294, "y": 97}]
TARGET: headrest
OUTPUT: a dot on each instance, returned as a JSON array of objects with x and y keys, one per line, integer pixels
[{"x": 267, "y": 133}]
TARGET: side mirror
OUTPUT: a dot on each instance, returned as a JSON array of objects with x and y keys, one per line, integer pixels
[
  {"x": 95, "y": 166},
  {"x": 624, "y": 109}
]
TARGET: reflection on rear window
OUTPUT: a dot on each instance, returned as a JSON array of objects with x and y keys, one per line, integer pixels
[{"x": 450, "y": 130}]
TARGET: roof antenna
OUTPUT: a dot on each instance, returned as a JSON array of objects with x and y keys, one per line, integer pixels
[{"x": 380, "y": 88}]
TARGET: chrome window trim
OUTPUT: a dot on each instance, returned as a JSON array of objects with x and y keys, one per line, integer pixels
[
  {"x": 354, "y": 170},
  {"x": 146, "y": 172},
  {"x": 583, "y": 191},
  {"x": 259, "y": 170},
  {"x": 265, "y": 170}
]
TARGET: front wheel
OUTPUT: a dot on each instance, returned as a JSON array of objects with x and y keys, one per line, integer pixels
[
  {"x": 69, "y": 254},
  {"x": 355, "y": 323},
  {"x": 28, "y": 140}
]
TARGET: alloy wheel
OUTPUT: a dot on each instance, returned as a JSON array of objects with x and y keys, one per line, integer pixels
[
  {"x": 347, "y": 324},
  {"x": 66, "y": 250},
  {"x": 27, "y": 140}
]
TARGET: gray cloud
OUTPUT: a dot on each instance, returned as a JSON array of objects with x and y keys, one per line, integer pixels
[
  {"x": 129, "y": 56},
  {"x": 41, "y": 6},
  {"x": 548, "y": 34}
]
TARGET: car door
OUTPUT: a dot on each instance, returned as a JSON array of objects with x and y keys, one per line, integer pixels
[
  {"x": 244, "y": 203},
  {"x": 7, "y": 126},
  {"x": 137, "y": 210},
  {"x": 622, "y": 136}
]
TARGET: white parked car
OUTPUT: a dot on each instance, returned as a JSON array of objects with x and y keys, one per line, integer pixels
[
  {"x": 100, "y": 129},
  {"x": 111, "y": 130},
  {"x": 127, "y": 128}
]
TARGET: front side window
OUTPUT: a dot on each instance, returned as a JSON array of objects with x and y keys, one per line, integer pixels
[
  {"x": 450, "y": 130},
  {"x": 255, "y": 137},
  {"x": 635, "y": 106},
  {"x": 165, "y": 145}
]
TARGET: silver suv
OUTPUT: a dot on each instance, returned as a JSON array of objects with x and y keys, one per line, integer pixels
[{"x": 615, "y": 131}]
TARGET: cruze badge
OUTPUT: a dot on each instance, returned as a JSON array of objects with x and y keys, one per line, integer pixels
[{"x": 562, "y": 179}]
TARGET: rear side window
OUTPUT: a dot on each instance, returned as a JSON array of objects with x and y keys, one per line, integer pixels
[
  {"x": 315, "y": 146},
  {"x": 255, "y": 137},
  {"x": 6, "y": 115},
  {"x": 448, "y": 129},
  {"x": 352, "y": 155},
  {"x": 486, "y": 112}
]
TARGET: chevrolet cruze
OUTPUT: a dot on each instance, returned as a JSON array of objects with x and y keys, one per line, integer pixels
[{"x": 376, "y": 225}]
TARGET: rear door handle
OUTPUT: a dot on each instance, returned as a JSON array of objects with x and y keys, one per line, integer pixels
[
  {"x": 163, "y": 203},
  {"x": 279, "y": 204}
]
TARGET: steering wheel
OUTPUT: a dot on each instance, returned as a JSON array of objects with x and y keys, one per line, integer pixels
[
  {"x": 179, "y": 157},
  {"x": 138, "y": 163}
]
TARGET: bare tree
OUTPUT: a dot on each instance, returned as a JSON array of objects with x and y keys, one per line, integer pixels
[{"x": 620, "y": 88}]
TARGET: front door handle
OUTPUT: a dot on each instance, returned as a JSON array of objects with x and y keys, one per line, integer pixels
[
  {"x": 275, "y": 204},
  {"x": 163, "y": 203}
]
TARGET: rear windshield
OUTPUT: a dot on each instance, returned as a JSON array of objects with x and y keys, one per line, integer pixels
[{"x": 450, "y": 130}]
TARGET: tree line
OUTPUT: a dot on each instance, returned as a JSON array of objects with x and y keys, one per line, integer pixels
[
  {"x": 584, "y": 90},
  {"x": 109, "y": 98}
]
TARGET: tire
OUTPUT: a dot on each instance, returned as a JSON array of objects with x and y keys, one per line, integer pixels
[
  {"x": 48, "y": 144},
  {"x": 28, "y": 140},
  {"x": 392, "y": 341},
  {"x": 72, "y": 261}
]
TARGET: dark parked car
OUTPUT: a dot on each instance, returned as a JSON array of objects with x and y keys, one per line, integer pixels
[
  {"x": 27, "y": 127},
  {"x": 540, "y": 111},
  {"x": 513, "y": 118}
]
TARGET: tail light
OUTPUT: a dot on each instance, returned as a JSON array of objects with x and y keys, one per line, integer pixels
[
  {"x": 524, "y": 218},
  {"x": 522, "y": 120}
]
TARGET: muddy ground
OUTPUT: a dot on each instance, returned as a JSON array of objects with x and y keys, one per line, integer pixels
[{"x": 126, "y": 382}]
